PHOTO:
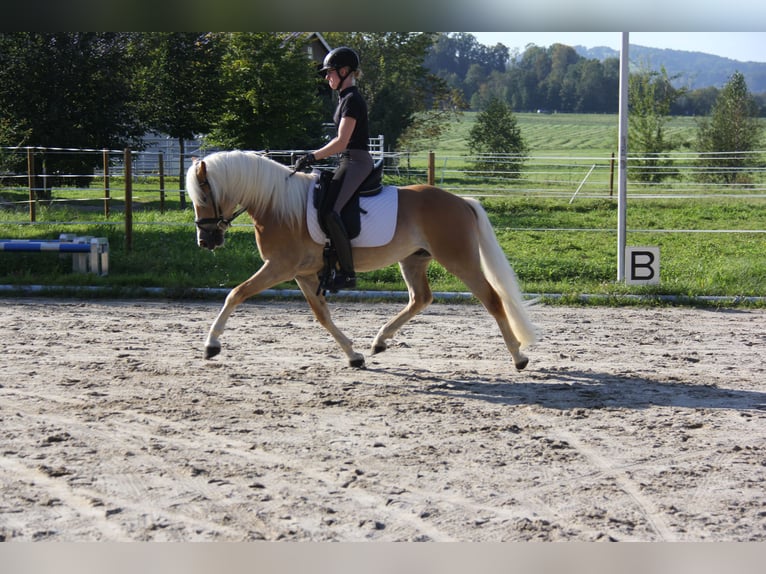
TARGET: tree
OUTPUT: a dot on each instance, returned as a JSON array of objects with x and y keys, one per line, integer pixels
[
  {"x": 269, "y": 99},
  {"x": 535, "y": 65},
  {"x": 698, "y": 102},
  {"x": 650, "y": 96},
  {"x": 180, "y": 84},
  {"x": 732, "y": 130},
  {"x": 497, "y": 139},
  {"x": 461, "y": 57},
  {"x": 562, "y": 58},
  {"x": 585, "y": 87},
  {"x": 496, "y": 86},
  {"x": 67, "y": 90}
]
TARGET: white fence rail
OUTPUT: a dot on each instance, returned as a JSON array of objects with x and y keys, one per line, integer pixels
[
  {"x": 595, "y": 176},
  {"x": 570, "y": 177}
]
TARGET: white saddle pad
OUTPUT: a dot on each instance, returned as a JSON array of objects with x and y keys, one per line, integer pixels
[{"x": 378, "y": 223}]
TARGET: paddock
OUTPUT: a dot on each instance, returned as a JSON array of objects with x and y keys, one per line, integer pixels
[{"x": 629, "y": 424}]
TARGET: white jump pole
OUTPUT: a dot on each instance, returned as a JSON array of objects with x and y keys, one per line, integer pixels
[{"x": 622, "y": 167}]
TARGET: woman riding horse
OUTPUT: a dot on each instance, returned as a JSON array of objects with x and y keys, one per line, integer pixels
[{"x": 341, "y": 68}]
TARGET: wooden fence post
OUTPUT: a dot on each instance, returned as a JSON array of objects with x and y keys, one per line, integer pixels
[
  {"x": 107, "y": 191},
  {"x": 128, "y": 200},
  {"x": 181, "y": 174},
  {"x": 431, "y": 168},
  {"x": 161, "y": 164},
  {"x": 31, "y": 179}
]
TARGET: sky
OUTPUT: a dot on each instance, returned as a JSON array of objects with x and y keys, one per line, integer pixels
[{"x": 741, "y": 46}]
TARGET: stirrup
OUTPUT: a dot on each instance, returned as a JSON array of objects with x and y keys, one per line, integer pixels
[
  {"x": 342, "y": 281},
  {"x": 334, "y": 281}
]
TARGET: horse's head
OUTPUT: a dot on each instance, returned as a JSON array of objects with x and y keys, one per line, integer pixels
[
  {"x": 261, "y": 186},
  {"x": 208, "y": 211}
]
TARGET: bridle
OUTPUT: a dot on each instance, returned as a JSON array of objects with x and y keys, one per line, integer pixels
[{"x": 219, "y": 221}]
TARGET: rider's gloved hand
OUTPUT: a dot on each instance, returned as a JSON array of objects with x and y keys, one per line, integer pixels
[{"x": 304, "y": 161}]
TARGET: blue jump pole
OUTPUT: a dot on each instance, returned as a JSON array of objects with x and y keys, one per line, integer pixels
[
  {"x": 97, "y": 250},
  {"x": 36, "y": 245}
]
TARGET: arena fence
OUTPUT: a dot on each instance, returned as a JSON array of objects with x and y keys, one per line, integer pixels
[{"x": 113, "y": 174}]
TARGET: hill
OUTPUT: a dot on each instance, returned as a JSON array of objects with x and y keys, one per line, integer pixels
[{"x": 696, "y": 70}]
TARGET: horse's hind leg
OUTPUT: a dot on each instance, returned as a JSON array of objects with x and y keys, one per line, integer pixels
[
  {"x": 309, "y": 285},
  {"x": 466, "y": 267},
  {"x": 485, "y": 293},
  {"x": 414, "y": 270}
]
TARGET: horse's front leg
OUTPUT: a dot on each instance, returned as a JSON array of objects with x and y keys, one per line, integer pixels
[
  {"x": 309, "y": 285},
  {"x": 212, "y": 343},
  {"x": 266, "y": 277}
]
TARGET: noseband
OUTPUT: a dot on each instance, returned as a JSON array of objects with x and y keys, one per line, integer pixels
[{"x": 219, "y": 221}]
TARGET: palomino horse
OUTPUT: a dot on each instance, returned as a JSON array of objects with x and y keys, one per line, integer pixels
[{"x": 431, "y": 224}]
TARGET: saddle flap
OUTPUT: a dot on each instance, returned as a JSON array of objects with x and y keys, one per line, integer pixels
[{"x": 323, "y": 184}]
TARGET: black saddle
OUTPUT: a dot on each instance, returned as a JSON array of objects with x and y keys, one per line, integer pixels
[
  {"x": 374, "y": 182},
  {"x": 351, "y": 212}
]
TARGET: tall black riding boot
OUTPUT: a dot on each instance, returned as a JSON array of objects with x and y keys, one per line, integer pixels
[{"x": 346, "y": 279}]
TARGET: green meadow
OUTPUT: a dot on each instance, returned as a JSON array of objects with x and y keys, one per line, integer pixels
[{"x": 569, "y": 134}]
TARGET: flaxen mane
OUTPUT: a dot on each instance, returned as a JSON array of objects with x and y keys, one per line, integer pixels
[{"x": 255, "y": 182}]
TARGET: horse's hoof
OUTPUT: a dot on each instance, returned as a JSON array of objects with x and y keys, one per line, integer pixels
[
  {"x": 211, "y": 352},
  {"x": 378, "y": 349},
  {"x": 522, "y": 364},
  {"x": 357, "y": 362}
]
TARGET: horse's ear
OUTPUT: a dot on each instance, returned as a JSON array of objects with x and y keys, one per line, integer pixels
[
  {"x": 201, "y": 170},
  {"x": 201, "y": 173}
]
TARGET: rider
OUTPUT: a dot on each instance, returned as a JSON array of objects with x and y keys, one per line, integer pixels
[{"x": 341, "y": 68}]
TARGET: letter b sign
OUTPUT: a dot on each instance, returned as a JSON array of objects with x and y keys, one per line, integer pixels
[{"x": 642, "y": 265}]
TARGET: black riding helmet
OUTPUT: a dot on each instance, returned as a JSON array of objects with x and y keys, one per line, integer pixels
[{"x": 340, "y": 58}]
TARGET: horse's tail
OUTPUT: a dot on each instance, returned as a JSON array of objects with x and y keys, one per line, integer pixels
[{"x": 501, "y": 276}]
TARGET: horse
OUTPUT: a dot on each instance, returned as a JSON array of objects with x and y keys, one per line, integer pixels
[{"x": 432, "y": 224}]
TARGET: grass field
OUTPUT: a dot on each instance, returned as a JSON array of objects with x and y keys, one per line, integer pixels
[
  {"x": 569, "y": 134},
  {"x": 565, "y": 151},
  {"x": 555, "y": 246}
]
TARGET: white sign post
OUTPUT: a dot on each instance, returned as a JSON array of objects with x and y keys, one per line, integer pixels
[
  {"x": 642, "y": 265},
  {"x": 622, "y": 166}
]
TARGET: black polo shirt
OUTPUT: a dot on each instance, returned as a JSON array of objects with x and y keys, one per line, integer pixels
[{"x": 352, "y": 105}]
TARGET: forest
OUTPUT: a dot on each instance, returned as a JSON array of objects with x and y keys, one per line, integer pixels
[{"x": 559, "y": 79}]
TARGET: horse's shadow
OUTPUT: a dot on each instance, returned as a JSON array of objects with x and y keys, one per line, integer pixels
[{"x": 566, "y": 389}]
